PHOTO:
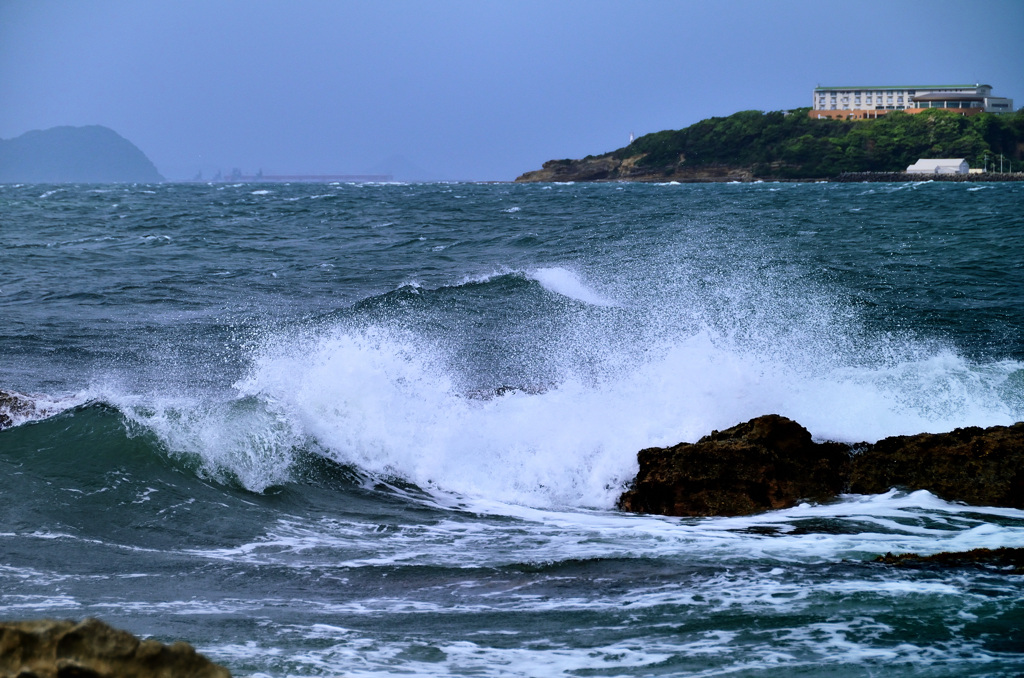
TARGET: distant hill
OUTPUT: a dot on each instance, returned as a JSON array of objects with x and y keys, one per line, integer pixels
[
  {"x": 91, "y": 154},
  {"x": 756, "y": 145}
]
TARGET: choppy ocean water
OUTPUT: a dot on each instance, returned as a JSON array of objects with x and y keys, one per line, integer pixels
[{"x": 380, "y": 429}]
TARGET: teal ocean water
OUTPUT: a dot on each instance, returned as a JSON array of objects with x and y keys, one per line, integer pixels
[{"x": 375, "y": 430}]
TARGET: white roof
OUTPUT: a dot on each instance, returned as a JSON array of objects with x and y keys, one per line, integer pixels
[{"x": 932, "y": 163}]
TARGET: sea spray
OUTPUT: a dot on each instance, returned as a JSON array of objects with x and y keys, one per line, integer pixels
[
  {"x": 565, "y": 282},
  {"x": 386, "y": 403}
]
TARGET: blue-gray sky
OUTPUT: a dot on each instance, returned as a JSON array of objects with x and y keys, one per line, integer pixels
[{"x": 464, "y": 89}]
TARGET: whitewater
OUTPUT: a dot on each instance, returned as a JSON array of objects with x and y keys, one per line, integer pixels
[{"x": 380, "y": 429}]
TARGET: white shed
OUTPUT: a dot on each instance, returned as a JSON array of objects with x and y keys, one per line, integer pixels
[{"x": 939, "y": 166}]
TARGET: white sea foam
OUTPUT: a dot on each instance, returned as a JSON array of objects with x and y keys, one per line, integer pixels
[
  {"x": 23, "y": 408},
  {"x": 860, "y": 646},
  {"x": 674, "y": 360},
  {"x": 240, "y": 439},
  {"x": 740, "y": 570},
  {"x": 387, "y": 403},
  {"x": 640, "y": 374},
  {"x": 568, "y": 283},
  {"x": 894, "y": 522}
]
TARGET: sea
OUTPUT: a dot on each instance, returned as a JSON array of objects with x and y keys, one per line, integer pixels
[{"x": 380, "y": 429}]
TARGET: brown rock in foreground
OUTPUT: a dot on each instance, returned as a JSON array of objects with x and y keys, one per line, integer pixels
[
  {"x": 766, "y": 463},
  {"x": 972, "y": 465},
  {"x": 771, "y": 462},
  {"x": 91, "y": 649}
]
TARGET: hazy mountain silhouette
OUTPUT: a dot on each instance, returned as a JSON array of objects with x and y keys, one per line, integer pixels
[{"x": 91, "y": 154}]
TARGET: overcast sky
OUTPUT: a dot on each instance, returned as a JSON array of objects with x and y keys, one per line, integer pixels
[{"x": 463, "y": 89}]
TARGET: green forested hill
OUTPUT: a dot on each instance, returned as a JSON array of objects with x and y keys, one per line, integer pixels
[{"x": 795, "y": 146}]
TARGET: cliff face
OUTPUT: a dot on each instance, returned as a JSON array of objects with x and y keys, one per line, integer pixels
[{"x": 91, "y": 154}]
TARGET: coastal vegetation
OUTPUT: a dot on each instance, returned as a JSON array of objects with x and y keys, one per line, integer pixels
[{"x": 793, "y": 145}]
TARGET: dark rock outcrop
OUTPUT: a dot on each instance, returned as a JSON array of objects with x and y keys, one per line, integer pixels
[
  {"x": 12, "y": 406},
  {"x": 766, "y": 463},
  {"x": 1009, "y": 560},
  {"x": 91, "y": 649},
  {"x": 610, "y": 168},
  {"x": 972, "y": 465},
  {"x": 771, "y": 462}
]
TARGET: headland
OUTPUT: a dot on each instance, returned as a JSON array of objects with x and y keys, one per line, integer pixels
[{"x": 793, "y": 146}]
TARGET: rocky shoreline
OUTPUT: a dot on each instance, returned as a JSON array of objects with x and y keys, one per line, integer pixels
[
  {"x": 771, "y": 462},
  {"x": 607, "y": 168}
]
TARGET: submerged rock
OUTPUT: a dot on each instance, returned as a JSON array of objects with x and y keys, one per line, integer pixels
[
  {"x": 1010, "y": 560},
  {"x": 766, "y": 463},
  {"x": 91, "y": 649},
  {"x": 972, "y": 465},
  {"x": 771, "y": 462}
]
